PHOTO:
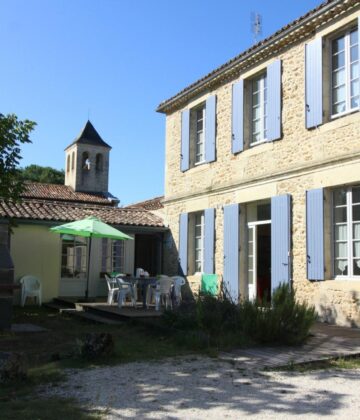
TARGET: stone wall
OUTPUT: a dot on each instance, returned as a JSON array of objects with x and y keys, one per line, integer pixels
[{"x": 302, "y": 159}]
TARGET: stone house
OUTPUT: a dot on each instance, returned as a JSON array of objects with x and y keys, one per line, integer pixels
[
  {"x": 262, "y": 174},
  {"x": 60, "y": 261}
]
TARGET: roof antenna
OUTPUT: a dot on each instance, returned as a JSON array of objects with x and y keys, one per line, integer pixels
[
  {"x": 88, "y": 114},
  {"x": 256, "y": 25}
]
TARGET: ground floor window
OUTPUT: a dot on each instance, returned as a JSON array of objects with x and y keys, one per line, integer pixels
[
  {"x": 73, "y": 257},
  {"x": 199, "y": 242},
  {"x": 113, "y": 256},
  {"x": 346, "y": 228}
]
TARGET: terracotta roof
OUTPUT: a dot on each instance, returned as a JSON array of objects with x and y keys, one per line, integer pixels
[
  {"x": 42, "y": 210},
  {"x": 151, "y": 204},
  {"x": 290, "y": 33},
  {"x": 64, "y": 193},
  {"x": 89, "y": 135}
]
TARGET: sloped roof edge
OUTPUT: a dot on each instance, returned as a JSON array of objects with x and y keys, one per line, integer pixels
[{"x": 264, "y": 48}]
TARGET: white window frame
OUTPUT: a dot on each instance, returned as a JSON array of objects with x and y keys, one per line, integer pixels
[
  {"x": 350, "y": 239},
  {"x": 78, "y": 243},
  {"x": 108, "y": 248},
  {"x": 201, "y": 237},
  {"x": 347, "y": 65},
  {"x": 262, "y": 102},
  {"x": 197, "y": 134}
]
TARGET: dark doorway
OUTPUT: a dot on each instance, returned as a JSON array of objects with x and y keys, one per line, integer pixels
[
  {"x": 148, "y": 253},
  {"x": 263, "y": 291}
]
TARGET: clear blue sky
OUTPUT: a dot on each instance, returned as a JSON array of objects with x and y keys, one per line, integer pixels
[{"x": 119, "y": 59}]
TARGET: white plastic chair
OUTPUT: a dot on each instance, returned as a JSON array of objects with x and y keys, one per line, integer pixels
[
  {"x": 163, "y": 291},
  {"x": 178, "y": 282},
  {"x": 125, "y": 289},
  {"x": 30, "y": 287},
  {"x": 151, "y": 288},
  {"x": 139, "y": 272},
  {"x": 113, "y": 288}
]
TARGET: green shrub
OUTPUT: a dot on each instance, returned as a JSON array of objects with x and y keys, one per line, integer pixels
[{"x": 225, "y": 323}]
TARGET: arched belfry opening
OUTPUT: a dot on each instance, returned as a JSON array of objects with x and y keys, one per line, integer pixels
[{"x": 99, "y": 162}]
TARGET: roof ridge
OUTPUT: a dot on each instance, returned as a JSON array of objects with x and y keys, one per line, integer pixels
[{"x": 76, "y": 203}]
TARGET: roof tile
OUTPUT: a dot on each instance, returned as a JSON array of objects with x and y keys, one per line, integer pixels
[
  {"x": 62, "y": 193},
  {"x": 66, "y": 212}
]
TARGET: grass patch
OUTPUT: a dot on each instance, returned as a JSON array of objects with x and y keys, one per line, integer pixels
[
  {"x": 49, "y": 353},
  {"x": 351, "y": 362},
  {"x": 44, "y": 409},
  {"x": 18, "y": 400}
]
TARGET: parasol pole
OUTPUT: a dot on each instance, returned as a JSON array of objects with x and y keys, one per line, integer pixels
[{"x": 88, "y": 268}]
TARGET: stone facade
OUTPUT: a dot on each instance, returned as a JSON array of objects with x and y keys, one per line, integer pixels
[
  {"x": 303, "y": 159},
  {"x": 79, "y": 177}
]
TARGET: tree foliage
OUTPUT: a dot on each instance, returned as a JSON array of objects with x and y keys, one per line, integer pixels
[
  {"x": 45, "y": 174},
  {"x": 13, "y": 133}
]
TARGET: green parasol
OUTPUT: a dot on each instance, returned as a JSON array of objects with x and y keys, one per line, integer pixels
[{"x": 90, "y": 227}]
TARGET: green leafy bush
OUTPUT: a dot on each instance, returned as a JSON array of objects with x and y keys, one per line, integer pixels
[
  {"x": 286, "y": 321},
  {"x": 225, "y": 323}
]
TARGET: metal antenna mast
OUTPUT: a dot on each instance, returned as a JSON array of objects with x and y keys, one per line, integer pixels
[{"x": 256, "y": 25}]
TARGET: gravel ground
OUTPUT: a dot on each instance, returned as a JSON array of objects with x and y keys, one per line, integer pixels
[{"x": 203, "y": 388}]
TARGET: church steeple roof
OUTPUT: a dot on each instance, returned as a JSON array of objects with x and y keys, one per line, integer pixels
[{"x": 89, "y": 135}]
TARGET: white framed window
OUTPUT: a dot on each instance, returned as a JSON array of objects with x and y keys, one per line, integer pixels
[
  {"x": 73, "y": 256},
  {"x": 346, "y": 232},
  {"x": 113, "y": 256},
  {"x": 199, "y": 134},
  {"x": 199, "y": 242},
  {"x": 345, "y": 73},
  {"x": 258, "y": 109}
]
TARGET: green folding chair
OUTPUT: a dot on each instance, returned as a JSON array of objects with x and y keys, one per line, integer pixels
[{"x": 209, "y": 284}]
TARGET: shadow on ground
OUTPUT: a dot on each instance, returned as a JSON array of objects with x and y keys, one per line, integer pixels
[{"x": 208, "y": 388}]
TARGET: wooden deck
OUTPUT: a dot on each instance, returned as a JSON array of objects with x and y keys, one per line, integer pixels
[
  {"x": 124, "y": 312},
  {"x": 98, "y": 310}
]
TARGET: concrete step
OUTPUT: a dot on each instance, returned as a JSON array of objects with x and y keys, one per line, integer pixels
[
  {"x": 64, "y": 303},
  {"x": 56, "y": 306},
  {"x": 95, "y": 318}
]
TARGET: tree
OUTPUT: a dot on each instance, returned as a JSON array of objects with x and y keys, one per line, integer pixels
[
  {"x": 13, "y": 133},
  {"x": 45, "y": 174}
]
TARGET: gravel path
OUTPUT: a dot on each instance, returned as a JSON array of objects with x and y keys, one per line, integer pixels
[{"x": 203, "y": 388}]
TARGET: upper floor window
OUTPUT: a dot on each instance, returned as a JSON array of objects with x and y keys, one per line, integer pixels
[
  {"x": 346, "y": 217},
  {"x": 258, "y": 109},
  {"x": 197, "y": 134},
  {"x": 199, "y": 140},
  {"x": 73, "y": 160},
  {"x": 68, "y": 163},
  {"x": 345, "y": 72}
]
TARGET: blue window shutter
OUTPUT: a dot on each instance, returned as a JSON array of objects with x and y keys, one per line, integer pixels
[
  {"x": 185, "y": 140},
  {"x": 313, "y": 83},
  {"x": 183, "y": 243},
  {"x": 280, "y": 240},
  {"x": 210, "y": 129},
  {"x": 209, "y": 241},
  {"x": 231, "y": 250},
  {"x": 237, "y": 117},
  {"x": 274, "y": 100},
  {"x": 315, "y": 234}
]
